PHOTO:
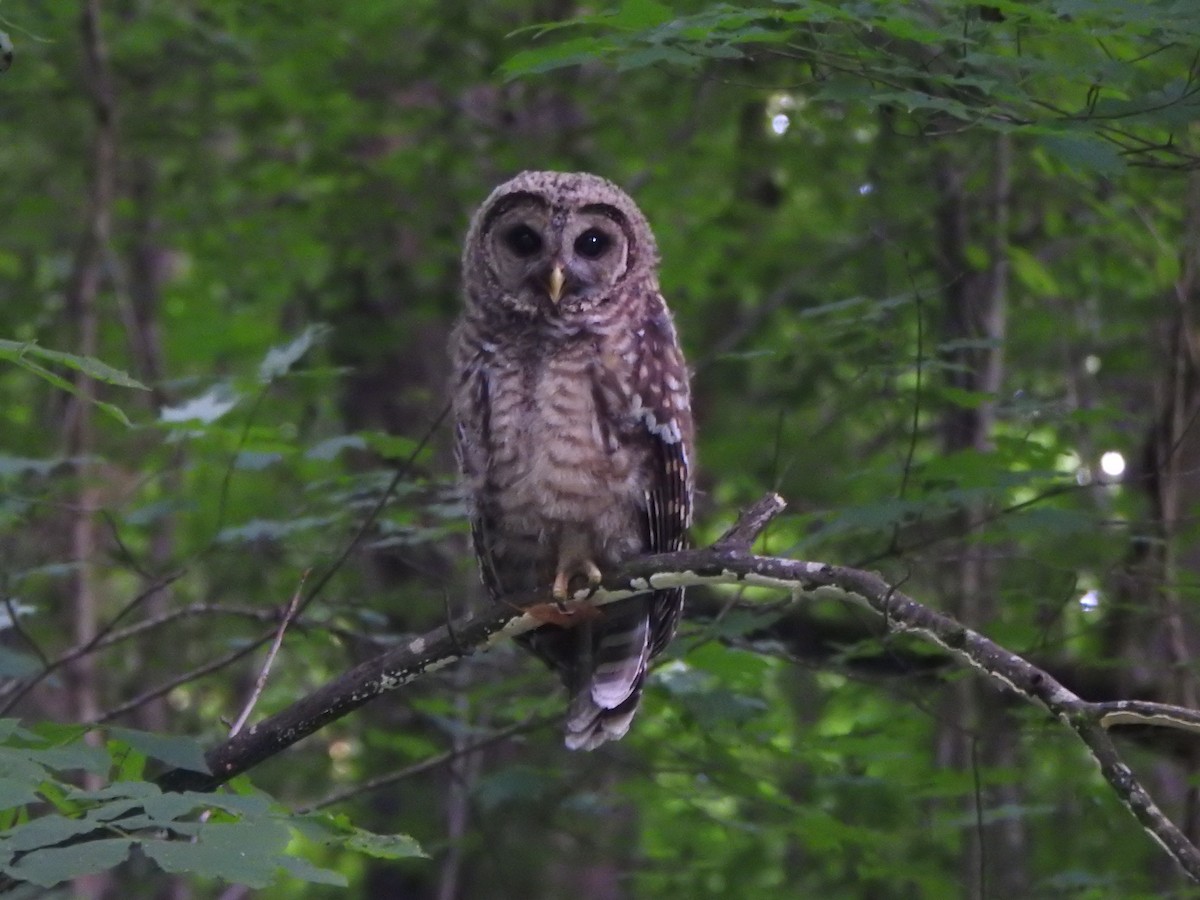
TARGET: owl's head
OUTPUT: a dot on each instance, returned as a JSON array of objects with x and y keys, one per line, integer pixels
[{"x": 549, "y": 244}]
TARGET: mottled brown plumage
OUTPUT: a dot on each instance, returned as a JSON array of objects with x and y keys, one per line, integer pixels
[{"x": 574, "y": 426}]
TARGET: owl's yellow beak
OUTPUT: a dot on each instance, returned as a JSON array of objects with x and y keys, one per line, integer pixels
[{"x": 554, "y": 284}]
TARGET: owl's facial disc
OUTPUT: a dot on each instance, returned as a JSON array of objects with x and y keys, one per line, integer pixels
[{"x": 553, "y": 260}]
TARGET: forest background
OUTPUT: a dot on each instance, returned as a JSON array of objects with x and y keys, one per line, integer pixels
[{"x": 935, "y": 267}]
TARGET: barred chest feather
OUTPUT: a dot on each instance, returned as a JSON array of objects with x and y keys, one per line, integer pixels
[{"x": 556, "y": 464}]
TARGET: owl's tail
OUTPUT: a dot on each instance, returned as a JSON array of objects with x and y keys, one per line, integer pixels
[{"x": 607, "y": 682}]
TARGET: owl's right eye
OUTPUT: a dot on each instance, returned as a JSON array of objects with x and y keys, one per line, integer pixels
[{"x": 523, "y": 240}]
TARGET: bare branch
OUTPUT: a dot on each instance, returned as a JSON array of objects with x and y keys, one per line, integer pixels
[
  {"x": 436, "y": 650},
  {"x": 751, "y": 523}
]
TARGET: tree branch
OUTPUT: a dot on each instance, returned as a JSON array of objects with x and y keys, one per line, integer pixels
[{"x": 729, "y": 561}]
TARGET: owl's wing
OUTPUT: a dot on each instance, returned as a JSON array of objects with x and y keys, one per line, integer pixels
[
  {"x": 662, "y": 408},
  {"x": 472, "y": 437},
  {"x": 652, "y": 411}
]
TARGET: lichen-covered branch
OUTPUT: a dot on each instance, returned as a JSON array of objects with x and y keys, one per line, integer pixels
[{"x": 729, "y": 561}]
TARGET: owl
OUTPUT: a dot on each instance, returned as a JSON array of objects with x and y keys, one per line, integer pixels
[{"x": 573, "y": 426}]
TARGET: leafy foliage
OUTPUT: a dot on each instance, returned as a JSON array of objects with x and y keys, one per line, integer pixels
[
  {"x": 1003, "y": 66},
  {"x": 238, "y": 836}
]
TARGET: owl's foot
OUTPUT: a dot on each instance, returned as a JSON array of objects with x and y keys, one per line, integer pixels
[{"x": 568, "y": 570}]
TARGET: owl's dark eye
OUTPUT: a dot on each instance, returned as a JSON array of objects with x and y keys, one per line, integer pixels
[
  {"x": 592, "y": 244},
  {"x": 523, "y": 240}
]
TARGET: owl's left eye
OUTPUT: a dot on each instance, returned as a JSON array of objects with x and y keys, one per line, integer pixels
[
  {"x": 523, "y": 240},
  {"x": 592, "y": 244}
]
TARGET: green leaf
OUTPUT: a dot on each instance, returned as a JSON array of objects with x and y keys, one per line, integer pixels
[
  {"x": 44, "y": 831},
  {"x": 1085, "y": 152},
  {"x": 10, "y": 728},
  {"x": 330, "y": 448},
  {"x": 391, "y": 446},
  {"x": 93, "y": 368},
  {"x": 640, "y": 14},
  {"x": 69, "y": 387},
  {"x": 128, "y": 764},
  {"x": 180, "y": 752},
  {"x": 962, "y": 398},
  {"x": 279, "y": 360},
  {"x": 165, "y": 808},
  {"x": 710, "y": 703},
  {"x": 267, "y": 530},
  {"x": 556, "y": 56},
  {"x": 246, "y": 853},
  {"x": 207, "y": 408},
  {"x": 59, "y": 733},
  {"x": 16, "y": 792},
  {"x": 385, "y": 846},
  {"x": 254, "y": 804},
  {"x": 59, "y": 795},
  {"x": 78, "y": 755},
  {"x": 256, "y": 461},
  {"x": 306, "y": 871},
  {"x": 54, "y": 865},
  {"x": 657, "y": 54},
  {"x": 1033, "y": 274},
  {"x": 329, "y": 829},
  {"x": 119, "y": 790}
]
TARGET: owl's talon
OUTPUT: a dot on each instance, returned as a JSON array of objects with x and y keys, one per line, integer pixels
[
  {"x": 592, "y": 572},
  {"x": 562, "y": 578}
]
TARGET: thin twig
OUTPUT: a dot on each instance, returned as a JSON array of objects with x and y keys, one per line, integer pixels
[
  {"x": 433, "y": 762},
  {"x": 114, "y": 530},
  {"x": 214, "y": 665},
  {"x": 915, "y": 430},
  {"x": 261, "y": 683},
  {"x": 161, "y": 620},
  {"x": 980, "y": 842},
  {"x": 19, "y": 630},
  {"x": 99, "y": 639},
  {"x": 402, "y": 470}
]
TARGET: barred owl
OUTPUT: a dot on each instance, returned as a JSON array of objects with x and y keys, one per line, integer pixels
[{"x": 573, "y": 425}]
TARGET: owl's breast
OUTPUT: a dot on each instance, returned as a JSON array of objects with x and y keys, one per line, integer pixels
[{"x": 557, "y": 459}]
